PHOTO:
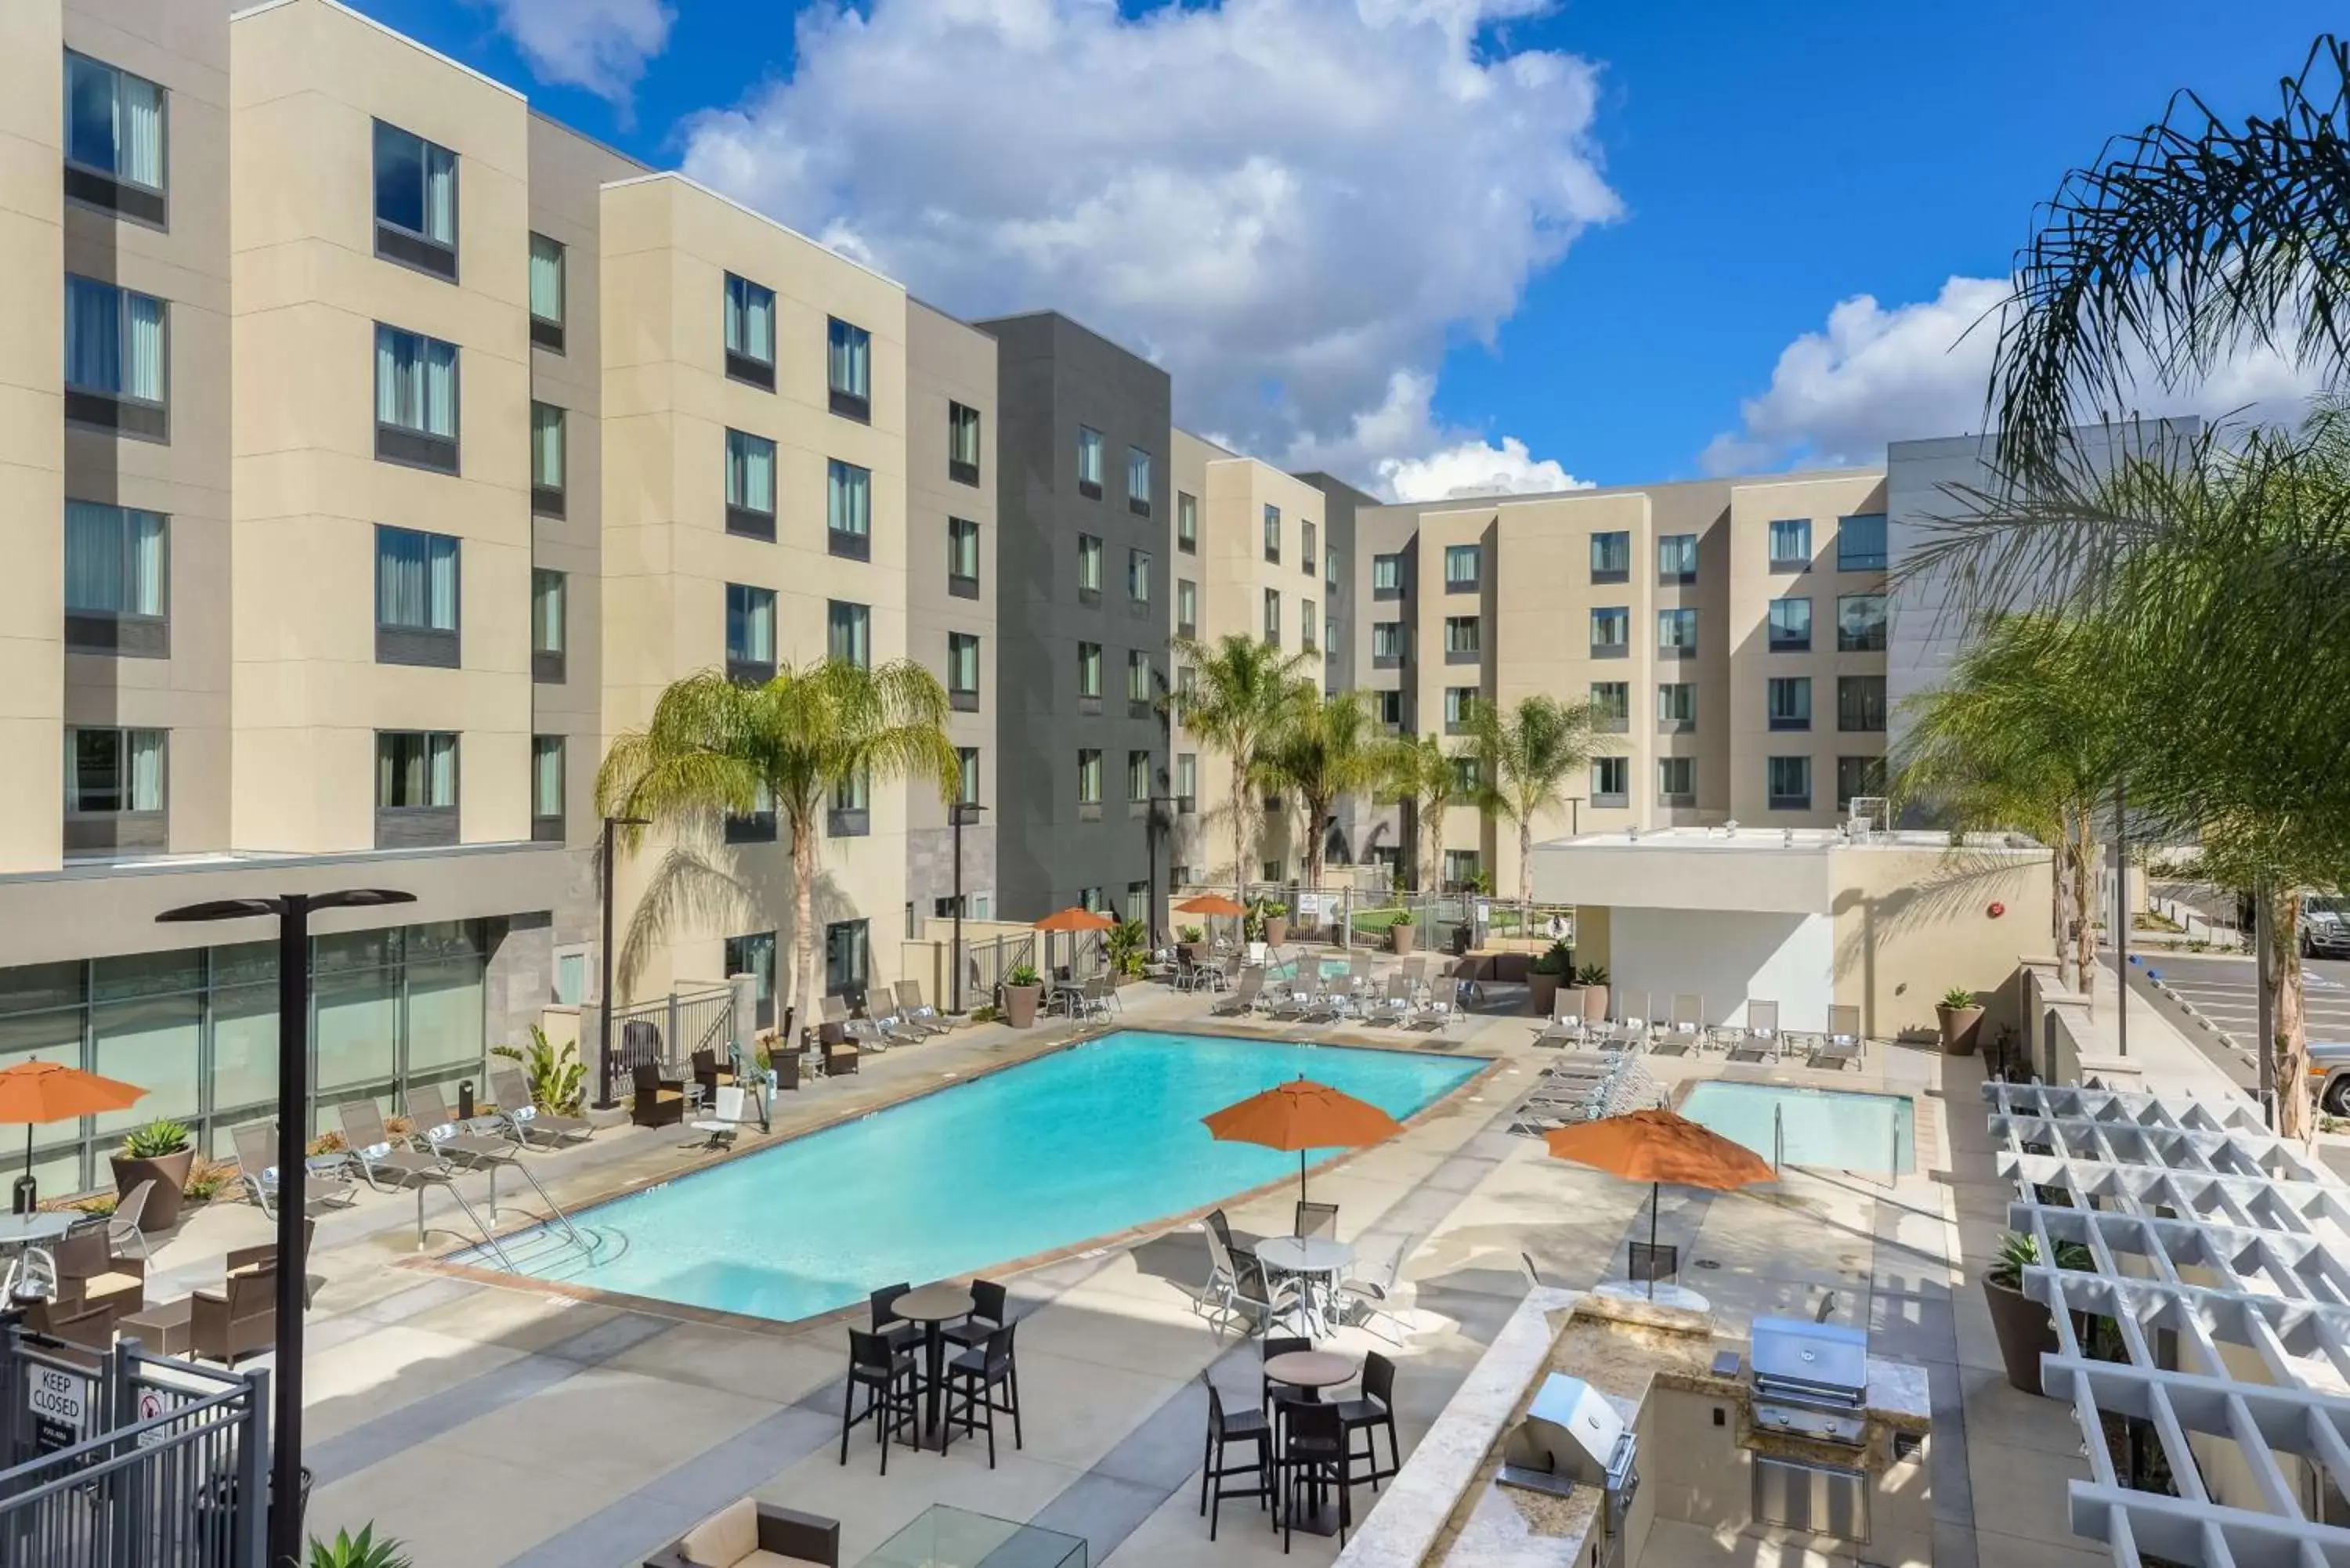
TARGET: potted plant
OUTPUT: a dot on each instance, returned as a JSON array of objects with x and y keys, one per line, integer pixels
[
  {"x": 1404, "y": 935},
  {"x": 1542, "y": 977},
  {"x": 1023, "y": 988},
  {"x": 1593, "y": 978},
  {"x": 360, "y": 1551},
  {"x": 2024, "y": 1329},
  {"x": 1194, "y": 941},
  {"x": 1124, "y": 946},
  {"x": 161, "y": 1152},
  {"x": 1960, "y": 1016},
  {"x": 1276, "y": 924}
]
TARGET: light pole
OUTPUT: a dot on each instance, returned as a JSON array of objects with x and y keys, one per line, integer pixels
[
  {"x": 604, "y": 1100},
  {"x": 293, "y": 911},
  {"x": 958, "y": 814},
  {"x": 1150, "y": 838},
  {"x": 1574, "y": 819}
]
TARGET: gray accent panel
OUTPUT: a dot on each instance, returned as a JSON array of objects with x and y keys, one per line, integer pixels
[
  {"x": 742, "y": 368},
  {"x": 124, "y": 636},
  {"x": 146, "y": 422},
  {"x": 547, "y": 668},
  {"x": 117, "y": 831},
  {"x": 415, "y": 826},
  {"x": 414, "y": 448},
  {"x": 94, "y": 189},
  {"x": 751, "y": 524},
  {"x": 395, "y": 244},
  {"x": 433, "y": 649}
]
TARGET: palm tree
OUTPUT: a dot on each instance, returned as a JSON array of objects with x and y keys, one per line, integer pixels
[
  {"x": 717, "y": 747},
  {"x": 1244, "y": 691},
  {"x": 1326, "y": 748},
  {"x": 1419, "y": 769},
  {"x": 1526, "y": 755}
]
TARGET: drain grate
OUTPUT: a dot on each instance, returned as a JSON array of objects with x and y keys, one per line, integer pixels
[{"x": 1707, "y": 1263}]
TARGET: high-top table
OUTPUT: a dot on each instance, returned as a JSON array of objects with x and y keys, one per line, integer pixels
[{"x": 933, "y": 1306}]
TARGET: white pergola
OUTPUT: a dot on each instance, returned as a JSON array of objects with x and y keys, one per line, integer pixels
[{"x": 2222, "y": 1253}]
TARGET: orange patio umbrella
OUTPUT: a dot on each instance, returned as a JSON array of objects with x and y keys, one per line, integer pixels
[
  {"x": 1302, "y": 1114},
  {"x": 1656, "y": 1146},
  {"x": 1210, "y": 904},
  {"x": 37, "y": 1092},
  {"x": 1072, "y": 920}
]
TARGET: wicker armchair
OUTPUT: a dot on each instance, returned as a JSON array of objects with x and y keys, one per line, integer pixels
[{"x": 737, "y": 1531}]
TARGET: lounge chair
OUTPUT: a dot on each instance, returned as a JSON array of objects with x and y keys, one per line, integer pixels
[
  {"x": 1438, "y": 1010},
  {"x": 655, "y": 1101},
  {"x": 532, "y": 1125},
  {"x": 751, "y": 1532},
  {"x": 915, "y": 1012},
  {"x": 1758, "y": 1041},
  {"x": 1563, "y": 1029},
  {"x": 389, "y": 1169},
  {"x": 728, "y": 1118},
  {"x": 1395, "y": 1006},
  {"x": 1242, "y": 998},
  {"x": 864, "y": 1031},
  {"x": 1686, "y": 1031},
  {"x": 256, "y": 1167},
  {"x": 1842, "y": 1043}
]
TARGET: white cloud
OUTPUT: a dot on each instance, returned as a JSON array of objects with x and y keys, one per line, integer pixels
[
  {"x": 1285, "y": 203},
  {"x": 1875, "y": 375},
  {"x": 600, "y": 45},
  {"x": 1400, "y": 450}
]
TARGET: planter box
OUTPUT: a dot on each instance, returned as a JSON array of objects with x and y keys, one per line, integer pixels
[
  {"x": 1277, "y": 930},
  {"x": 1020, "y": 1005},
  {"x": 2025, "y": 1333},
  {"x": 170, "y": 1174},
  {"x": 1961, "y": 1027},
  {"x": 1403, "y": 937},
  {"x": 1542, "y": 992}
]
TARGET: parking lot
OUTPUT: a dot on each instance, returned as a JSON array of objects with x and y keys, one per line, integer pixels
[{"x": 2224, "y": 991}]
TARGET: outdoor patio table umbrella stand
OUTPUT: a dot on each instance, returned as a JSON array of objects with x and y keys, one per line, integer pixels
[
  {"x": 38, "y": 1092},
  {"x": 1071, "y": 919},
  {"x": 1302, "y": 1114},
  {"x": 1211, "y": 906},
  {"x": 1658, "y": 1146}
]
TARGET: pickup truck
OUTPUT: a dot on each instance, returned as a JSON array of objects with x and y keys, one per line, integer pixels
[
  {"x": 2329, "y": 1075},
  {"x": 2324, "y": 926}
]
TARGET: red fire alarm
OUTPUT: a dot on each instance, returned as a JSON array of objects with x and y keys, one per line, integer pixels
[{"x": 1998, "y": 909}]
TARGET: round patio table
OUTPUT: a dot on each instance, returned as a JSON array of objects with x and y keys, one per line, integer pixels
[
  {"x": 17, "y": 1230},
  {"x": 1315, "y": 1259},
  {"x": 933, "y": 1306},
  {"x": 1309, "y": 1372}
]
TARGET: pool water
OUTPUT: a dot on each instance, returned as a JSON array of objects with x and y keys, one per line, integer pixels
[
  {"x": 1828, "y": 1128},
  {"x": 1084, "y": 1142}
]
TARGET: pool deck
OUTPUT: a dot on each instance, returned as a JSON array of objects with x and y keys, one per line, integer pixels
[{"x": 490, "y": 1422}]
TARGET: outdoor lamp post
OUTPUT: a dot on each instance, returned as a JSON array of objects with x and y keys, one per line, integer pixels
[
  {"x": 1150, "y": 840},
  {"x": 1574, "y": 822},
  {"x": 604, "y": 1100},
  {"x": 293, "y": 911},
  {"x": 958, "y": 814}
]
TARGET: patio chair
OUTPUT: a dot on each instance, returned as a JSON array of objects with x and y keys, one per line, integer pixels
[
  {"x": 1758, "y": 1041},
  {"x": 1373, "y": 1413},
  {"x": 1394, "y": 1007},
  {"x": 1255, "y": 1294},
  {"x": 916, "y": 1013},
  {"x": 1239, "y": 1428},
  {"x": 991, "y": 1308},
  {"x": 709, "y": 1074},
  {"x": 1310, "y": 1452},
  {"x": 1843, "y": 1041},
  {"x": 389, "y": 1169},
  {"x": 1242, "y": 998},
  {"x": 1222, "y": 1277},
  {"x": 727, "y": 1120},
  {"x": 531, "y": 1125},
  {"x": 88, "y": 1275},
  {"x": 1563, "y": 1029},
  {"x": 240, "y": 1259},
  {"x": 1316, "y": 1219},
  {"x": 1363, "y": 1301},
  {"x": 655, "y": 1101},
  {"x": 753, "y": 1531},
  {"x": 982, "y": 1383},
  {"x": 238, "y": 1320},
  {"x": 439, "y": 1132},
  {"x": 839, "y": 1052},
  {"x": 256, "y": 1169},
  {"x": 641, "y": 1041},
  {"x": 1437, "y": 1013},
  {"x": 892, "y": 1385},
  {"x": 1686, "y": 1030},
  {"x": 122, "y": 1228},
  {"x": 1099, "y": 997}
]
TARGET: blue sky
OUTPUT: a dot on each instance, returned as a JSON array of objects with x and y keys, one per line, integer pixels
[{"x": 1594, "y": 229}]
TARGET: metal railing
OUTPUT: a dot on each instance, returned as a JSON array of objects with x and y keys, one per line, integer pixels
[
  {"x": 666, "y": 1031},
  {"x": 120, "y": 1459}
]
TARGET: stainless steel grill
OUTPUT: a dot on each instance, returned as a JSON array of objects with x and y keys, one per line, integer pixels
[
  {"x": 1811, "y": 1380},
  {"x": 1571, "y": 1436}
]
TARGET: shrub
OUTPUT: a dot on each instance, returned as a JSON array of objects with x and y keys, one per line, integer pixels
[
  {"x": 206, "y": 1178},
  {"x": 1023, "y": 974},
  {"x": 156, "y": 1139},
  {"x": 1558, "y": 959},
  {"x": 1190, "y": 934},
  {"x": 556, "y": 1078},
  {"x": 362, "y": 1550},
  {"x": 1127, "y": 941},
  {"x": 2017, "y": 1251},
  {"x": 1958, "y": 997},
  {"x": 1592, "y": 975}
]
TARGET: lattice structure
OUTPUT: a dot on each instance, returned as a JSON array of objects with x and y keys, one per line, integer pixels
[{"x": 2222, "y": 1255}]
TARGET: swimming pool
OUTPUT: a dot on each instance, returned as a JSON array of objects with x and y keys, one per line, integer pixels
[
  {"x": 1081, "y": 1143},
  {"x": 1829, "y": 1127}
]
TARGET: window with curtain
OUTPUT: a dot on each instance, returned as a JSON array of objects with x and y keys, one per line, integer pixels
[
  {"x": 1860, "y": 543},
  {"x": 1858, "y": 776},
  {"x": 415, "y": 200},
  {"x": 751, "y": 476},
  {"x": 1460, "y": 705},
  {"x": 853, "y": 793},
  {"x": 547, "y": 592},
  {"x": 849, "y": 368},
  {"x": 1138, "y": 775},
  {"x": 754, "y": 955},
  {"x": 966, "y": 775},
  {"x": 1677, "y": 631},
  {"x": 1459, "y": 868},
  {"x": 962, "y": 551},
  {"x": 1461, "y": 634},
  {"x": 1306, "y": 552},
  {"x": 1610, "y": 779},
  {"x": 415, "y": 580},
  {"x": 1677, "y": 777},
  {"x": 1089, "y": 563},
  {"x": 546, "y": 448},
  {"x": 1137, "y": 576},
  {"x": 110, "y": 772},
  {"x": 114, "y": 122},
  {"x": 847, "y": 957},
  {"x": 1089, "y": 776},
  {"x": 1387, "y": 640},
  {"x": 114, "y": 341},
  {"x": 1676, "y": 557},
  {"x": 1790, "y": 702},
  {"x": 750, "y": 331},
  {"x": 547, "y": 776},
  {"x": 1611, "y": 705},
  {"x": 1790, "y": 779},
  {"x": 1187, "y": 606},
  {"x": 1860, "y": 702},
  {"x": 1790, "y": 629},
  {"x": 1089, "y": 669},
  {"x": 1611, "y": 557},
  {"x": 415, "y": 391},
  {"x": 1137, "y": 675},
  {"x": 114, "y": 560},
  {"x": 1089, "y": 458},
  {"x": 1860, "y": 623},
  {"x": 849, "y": 499},
  {"x": 962, "y": 443},
  {"x": 1389, "y": 708},
  {"x": 1138, "y": 476},
  {"x": 415, "y": 770},
  {"x": 1187, "y": 778},
  {"x": 1387, "y": 575},
  {"x": 848, "y": 634},
  {"x": 962, "y": 663},
  {"x": 1611, "y": 627},
  {"x": 1309, "y": 621},
  {"x": 1272, "y": 616},
  {"x": 1460, "y": 565},
  {"x": 1676, "y": 705},
  {"x": 1330, "y": 567},
  {"x": 1791, "y": 543},
  {"x": 1187, "y": 523},
  {"x": 548, "y": 262},
  {"x": 1273, "y": 534},
  {"x": 750, "y": 625}
]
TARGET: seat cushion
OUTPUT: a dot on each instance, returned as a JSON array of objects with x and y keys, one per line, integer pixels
[
  {"x": 773, "y": 1559},
  {"x": 726, "y": 1539}
]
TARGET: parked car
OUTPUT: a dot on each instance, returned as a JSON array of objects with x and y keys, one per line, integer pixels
[
  {"x": 2324, "y": 926},
  {"x": 2329, "y": 1075}
]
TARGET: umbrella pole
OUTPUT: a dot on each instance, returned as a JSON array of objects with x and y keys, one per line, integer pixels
[
  {"x": 1655, "y": 1190},
  {"x": 1301, "y": 1167}
]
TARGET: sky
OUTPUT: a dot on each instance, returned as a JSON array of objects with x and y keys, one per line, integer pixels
[{"x": 1436, "y": 246}]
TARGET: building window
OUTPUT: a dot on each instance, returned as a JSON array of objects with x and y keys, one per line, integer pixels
[
  {"x": 1791, "y": 544},
  {"x": 546, "y": 460},
  {"x": 1611, "y": 632},
  {"x": 415, "y": 201},
  {"x": 415, "y": 400},
  {"x": 1309, "y": 621},
  {"x": 116, "y": 371},
  {"x": 1677, "y": 633},
  {"x": 415, "y": 788},
  {"x": 1860, "y": 543},
  {"x": 1461, "y": 638},
  {"x": 750, "y": 485},
  {"x": 1089, "y": 566},
  {"x": 546, "y": 789},
  {"x": 749, "y": 332},
  {"x": 1186, "y": 784},
  {"x": 1611, "y": 707},
  {"x": 1138, "y": 677},
  {"x": 1137, "y": 778},
  {"x": 1387, "y": 644},
  {"x": 1307, "y": 554},
  {"x": 1330, "y": 635},
  {"x": 1460, "y": 708},
  {"x": 848, "y": 510},
  {"x": 1273, "y": 618},
  {"x": 115, "y": 138},
  {"x": 1860, "y": 623},
  {"x": 1676, "y": 558},
  {"x": 966, "y": 775},
  {"x": 754, "y": 955},
  {"x": 962, "y": 671},
  {"x": 1856, "y": 777},
  {"x": 1789, "y": 705},
  {"x": 1090, "y": 777},
  {"x": 1676, "y": 780},
  {"x": 1388, "y": 707},
  {"x": 1676, "y": 707},
  {"x": 962, "y": 443},
  {"x": 848, "y": 369},
  {"x": 1387, "y": 576},
  {"x": 1137, "y": 481},
  {"x": 750, "y": 633},
  {"x": 113, "y": 773},
  {"x": 1611, "y": 557},
  {"x": 549, "y": 264},
  {"x": 416, "y": 592},
  {"x": 1090, "y": 462},
  {"x": 1330, "y": 567},
  {"x": 1860, "y": 703},
  {"x": 847, "y": 957},
  {"x": 1789, "y": 781},
  {"x": 848, "y": 634},
  {"x": 116, "y": 581},
  {"x": 1461, "y": 568},
  {"x": 1187, "y": 684},
  {"x": 1186, "y": 608},
  {"x": 1091, "y": 898},
  {"x": 1090, "y": 669},
  {"x": 1791, "y": 626},
  {"x": 548, "y": 590},
  {"x": 1273, "y": 534},
  {"x": 1187, "y": 524},
  {"x": 1138, "y": 576},
  {"x": 963, "y": 558},
  {"x": 1610, "y": 784},
  {"x": 1459, "y": 868},
  {"x": 759, "y": 827},
  {"x": 850, "y": 816}
]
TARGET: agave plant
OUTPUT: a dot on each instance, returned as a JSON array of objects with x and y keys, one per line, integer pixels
[
  {"x": 555, "y": 1076},
  {"x": 155, "y": 1140},
  {"x": 360, "y": 1551}
]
